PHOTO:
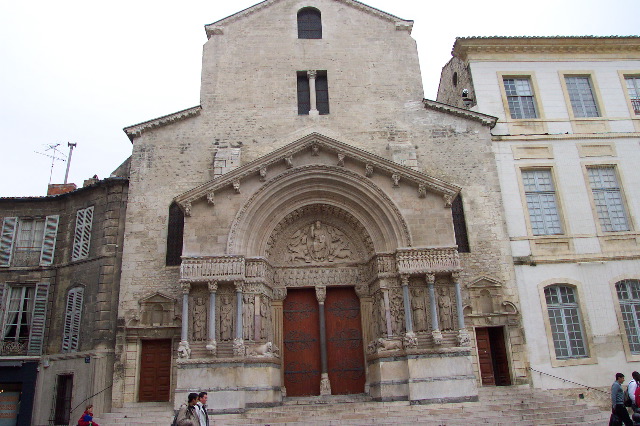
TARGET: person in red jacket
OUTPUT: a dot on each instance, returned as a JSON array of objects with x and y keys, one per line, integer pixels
[{"x": 87, "y": 417}]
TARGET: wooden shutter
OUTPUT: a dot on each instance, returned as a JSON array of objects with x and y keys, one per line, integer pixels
[
  {"x": 72, "y": 318},
  {"x": 3, "y": 290},
  {"x": 49, "y": 240},
  {"x": 38, "y": 319},
  {"x": 82, "y": 236},
  {"x": 9, "y": 225}
]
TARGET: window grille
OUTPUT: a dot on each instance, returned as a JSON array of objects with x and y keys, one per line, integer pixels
[{"x": 565, "y": 321}]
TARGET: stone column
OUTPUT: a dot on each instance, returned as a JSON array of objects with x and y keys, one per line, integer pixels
[
  {"x": 211, "y": 344},
  {"x": 366, "y": 314},
  {"x": 313, "y": 109},
  {"x": 325, "y": 385},
  {"x": 238, "y": 342},
  {"x": 463, "y": 336},
  {"x": 257, "y": 319},
  {"x": 184, "y": 351},
  {"x": 433, "y": 304},
  {"x": 279, "y": 294},
  {"x": 410, "y": 339},
  {"x": 387, "y": 312}
]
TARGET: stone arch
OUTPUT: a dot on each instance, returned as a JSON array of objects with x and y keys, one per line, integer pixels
[{"x": 330, "y": 186}]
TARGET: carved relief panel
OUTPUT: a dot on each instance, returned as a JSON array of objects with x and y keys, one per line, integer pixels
[
  {"x": 420, "y": 308},
  {"x": 396, "y": 307},
  {"x": 319, "y": 235},
  {"x": 446, "y": 302},
  {"x": 226, "y": 308},
  {"x": 199, "y": 304},
  {"x": 157, "y": 310}
]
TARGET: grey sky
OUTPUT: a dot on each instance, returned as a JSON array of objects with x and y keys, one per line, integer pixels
[{"x": 78, "y": 71}]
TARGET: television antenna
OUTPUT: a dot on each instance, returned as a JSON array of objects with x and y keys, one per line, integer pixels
[{"x": 52, "y": 153}]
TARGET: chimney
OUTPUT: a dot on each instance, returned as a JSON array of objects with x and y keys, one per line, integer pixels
[{"x": 60, "y": 188}]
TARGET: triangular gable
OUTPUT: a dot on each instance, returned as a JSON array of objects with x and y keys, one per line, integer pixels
[
  {"x": 314, "y": 140},
  {"x": 484, "y": 282},
  {"x": 157, "y": 297},
  {"x": 217, "y": 27}
]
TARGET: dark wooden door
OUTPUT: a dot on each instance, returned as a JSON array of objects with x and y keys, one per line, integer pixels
[
  {"x": 63, "y": 399},
  {"x": 484, "y": 356},
  {"x": 499, "y": 355},
  {"x": 155, "y": 371},
  {"x": 345, "y": 355},
  {"x": 301, "y": 335}
]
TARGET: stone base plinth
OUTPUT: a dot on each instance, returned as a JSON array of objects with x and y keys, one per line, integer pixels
[
  {"x": 232, "y": 385},
  {"x": 423, "y": 377}
]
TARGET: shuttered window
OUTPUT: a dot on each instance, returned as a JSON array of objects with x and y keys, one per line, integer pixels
[
  {"x": 28, "y": 241},
  {"x": 23, "y": 319},
  {"x": 72, "y": 318},
  {"x": 82, "y": 234}
]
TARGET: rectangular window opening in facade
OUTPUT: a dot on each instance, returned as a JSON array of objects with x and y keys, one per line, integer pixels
[
  {"x": 565, "y": 322},
  {"x": 520, "y": 98},
  {"x": 607, "y": 196},
  {"x": 313, "y": 92},
  {"x": 583, "y": 100},
  {"x": 23, "y": 323},
  {"x": 633, "y": 89},
  {"x": 628, "y": 292},
  {"x": 541, "y": 202},
  {"x": 28, "y": 241}
]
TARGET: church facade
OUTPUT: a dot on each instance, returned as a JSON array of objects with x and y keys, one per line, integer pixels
[{"x": 314, "y": 227}]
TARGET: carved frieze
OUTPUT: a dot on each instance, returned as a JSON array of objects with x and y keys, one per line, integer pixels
[
  {"x": 427, "y": 260},
  {"x": 207, "y": 268},
  {"x": 306, "y": 277}
]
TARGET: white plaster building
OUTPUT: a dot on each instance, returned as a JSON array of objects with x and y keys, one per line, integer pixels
[{"x": 567, "y": 150}]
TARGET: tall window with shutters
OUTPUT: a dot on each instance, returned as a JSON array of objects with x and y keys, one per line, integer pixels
[
  {"x": 72, "y": 318},
  {"x": 23, "y": 310},
  {"x": 82, "y": 234},
  {"x": 28, "y": 241}
]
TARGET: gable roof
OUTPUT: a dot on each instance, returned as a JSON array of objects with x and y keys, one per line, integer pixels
[
  {"x": 486, "y": 120},
  {"x": 421, "y": 180},
  {"x": 216, "y": 27}
]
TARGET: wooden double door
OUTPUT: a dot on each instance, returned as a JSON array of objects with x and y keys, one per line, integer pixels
[
  {"x": 492, "y": 356},
  {"x": 302, "y": 342},
  {"x": 155, "y": 370}
]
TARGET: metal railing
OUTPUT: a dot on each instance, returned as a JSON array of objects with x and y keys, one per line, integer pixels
[{"x": 570, "y": 381}]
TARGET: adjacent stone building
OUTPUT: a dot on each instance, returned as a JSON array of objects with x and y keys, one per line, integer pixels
[
  {"x": 567, "y": 152},
  {"x": 315, "y": 226},
  {"x": 60, "y": 259}
]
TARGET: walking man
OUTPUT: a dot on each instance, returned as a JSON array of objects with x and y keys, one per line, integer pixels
[
  {"x": 201, "y": 407},
  {"x": 187, "y": 415},
  {"x": 617, "y": 400}
]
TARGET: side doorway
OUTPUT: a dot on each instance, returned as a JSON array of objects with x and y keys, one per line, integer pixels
[
  {"x": 155, "y": 371},
  {"x": 492, "y": 356}
]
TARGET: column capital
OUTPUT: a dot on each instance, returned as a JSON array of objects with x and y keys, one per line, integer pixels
[
  {"x": 312, "y": 73},
  {"x": 404, "y": 279},
  {"x": 321, "y": 293},
  {"x": 431, "y": 279},
  {"x": 213, "y": 286},
  {"x": 185, "y": 286},
  {"x": 455, "y": 275},
  {"x": 239, "y": 286},
  {"x": 279, "y": 293},
  {"x": 362, "y": 290}
]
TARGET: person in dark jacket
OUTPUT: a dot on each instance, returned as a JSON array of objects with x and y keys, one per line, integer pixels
[{"x": 617, "y": 400}]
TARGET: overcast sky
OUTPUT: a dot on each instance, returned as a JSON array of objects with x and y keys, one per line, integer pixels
[{"x": 80, "y": 71}]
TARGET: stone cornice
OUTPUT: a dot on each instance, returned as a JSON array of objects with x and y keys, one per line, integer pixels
[
  {"x": 380, "y": 165},
  {"x": 486, "y": 120},
  {"x": 217, "y": 28},
  {"x": 138, "y": 129},
  {"x": 592, "y": 45}
]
